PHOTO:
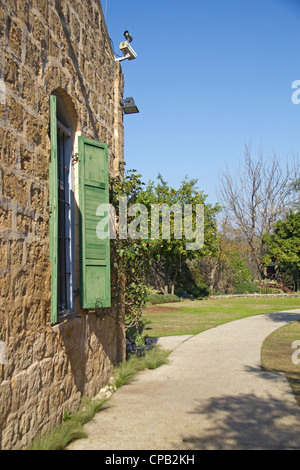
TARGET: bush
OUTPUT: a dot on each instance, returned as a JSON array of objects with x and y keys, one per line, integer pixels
[
  {"x": 246, "y": 288},
  {"x": 183, "y": 294},
  {"x": 199, "y": 292},
  {"x": 154, "y": 299},
  {"x": 219, "y": 292},
  {"x": 192, "y": 292},
  {"x": 270, "y": 290}
]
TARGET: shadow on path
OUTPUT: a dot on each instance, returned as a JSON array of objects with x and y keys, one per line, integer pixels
[
  {"x": 232, "y": 423},
  {"x": 282, "y": 317}
]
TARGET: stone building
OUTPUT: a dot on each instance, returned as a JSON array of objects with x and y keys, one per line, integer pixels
[{"x": 61, "y": 132}]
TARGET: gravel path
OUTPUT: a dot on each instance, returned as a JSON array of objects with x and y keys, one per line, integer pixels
[{"x": 213, "y": 395}]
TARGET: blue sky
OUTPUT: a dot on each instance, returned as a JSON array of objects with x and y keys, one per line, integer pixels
[{"x": 210, "y": 76}]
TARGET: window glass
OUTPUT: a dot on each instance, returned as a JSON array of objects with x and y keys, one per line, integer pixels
[{"x": 65, "y": 183}]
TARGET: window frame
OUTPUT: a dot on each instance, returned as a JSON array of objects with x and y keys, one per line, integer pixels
[
  {"x": 57, "y": 128},
  {"x": 69, "y": 223}
]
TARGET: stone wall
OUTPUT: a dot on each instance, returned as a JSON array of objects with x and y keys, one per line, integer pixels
[{"x": 48, "y": 46}]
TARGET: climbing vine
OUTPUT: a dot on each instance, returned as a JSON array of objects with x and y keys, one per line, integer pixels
[{"x": 131, "y": 258}]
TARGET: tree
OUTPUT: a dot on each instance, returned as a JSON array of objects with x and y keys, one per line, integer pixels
[
  {"x": 170, "y": 254},
  {"x": 228, "y": 265},
  {"x": 296, "y": 189},
  {"x": 283, "y": 245},
  {"x": 139, "y": 255},
  {"x": 259, "y": 194}
]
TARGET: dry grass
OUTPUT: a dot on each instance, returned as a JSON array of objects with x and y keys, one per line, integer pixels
[
  {"x": 193, "y": 317},
  {"x": 126, "y": 371},
  {"x": 276, "y": 355},
  {"x": 70, "y": 429}
]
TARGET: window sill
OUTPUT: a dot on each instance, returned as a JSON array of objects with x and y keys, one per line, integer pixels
[{"x": 65, "y": 320}]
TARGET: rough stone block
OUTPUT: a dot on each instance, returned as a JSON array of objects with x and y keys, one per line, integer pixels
[
  {"x": 37, "y": 198},
  {"x": 12, "y": 73},
  {"x": 29, "y": 93},
  {"x": 15, "y": 187},
  {"x": 3, "y": 254},
  {"x": 27, "y": 160},
  {"x": 33, "y": 130},
  {"x": 16, "y": 114},
  {"x": 15, "y": 36},
  {"x": 33, "y": 57},
  {"x": 23, "y": 11},
  {"x": 19, "y": 386},
  {"x": 54, "y": 47},
  {"x": 5, "y": 218},
  {"x": 16, "y": 252},
  {"x": 5, "y": 287},
  {"x": 39, "y": 32},
  {"x": 24, "y": 224},
  {"x": 8, "y": 148},
  {"x": 43, "y": 7}
]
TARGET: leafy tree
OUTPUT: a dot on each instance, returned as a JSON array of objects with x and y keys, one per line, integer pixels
[
  {"x": 229, "y": 264},
  {"x": 170, "y": 255},
  {"x": 137, "y": 258},
  {"x": 284, "y": 245},
  {"x": 240, "y": 271}
]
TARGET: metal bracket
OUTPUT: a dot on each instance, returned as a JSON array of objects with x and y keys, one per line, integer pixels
[{"x": 75, "y": 158}]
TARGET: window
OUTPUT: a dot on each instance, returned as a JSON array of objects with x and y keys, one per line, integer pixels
[
  {"x": 62, "y": 209},
  {"x": 94, "y": 255},
  {"x": 66, "y": 248}
]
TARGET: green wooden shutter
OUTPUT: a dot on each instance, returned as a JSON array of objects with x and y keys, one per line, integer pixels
[
  {"x": 95, "y": 253},
  {"x": 53, "y": 207}
]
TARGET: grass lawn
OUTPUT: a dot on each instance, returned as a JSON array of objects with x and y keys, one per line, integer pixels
[
  {"x": 192, "y": 317},
  {"x": 276, "y": 355}
]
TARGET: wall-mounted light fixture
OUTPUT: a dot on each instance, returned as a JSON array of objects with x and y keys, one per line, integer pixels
[{"x": 129, "y": 106}]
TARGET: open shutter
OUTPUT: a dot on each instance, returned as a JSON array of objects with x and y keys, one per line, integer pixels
[
  {"x": 53, "y": 208},
  {"x": 95, "y": 253}
]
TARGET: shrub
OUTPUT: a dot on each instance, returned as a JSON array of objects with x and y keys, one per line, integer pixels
[
  {"x": 154, "y": 299},
  {"x": 270, "y": 290},
  {"x": 199, "y": 292},
  {"x": 183, "y": 294},
  {"x": 219, "y": 292},
  {"x": 246, "y": 288}
]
